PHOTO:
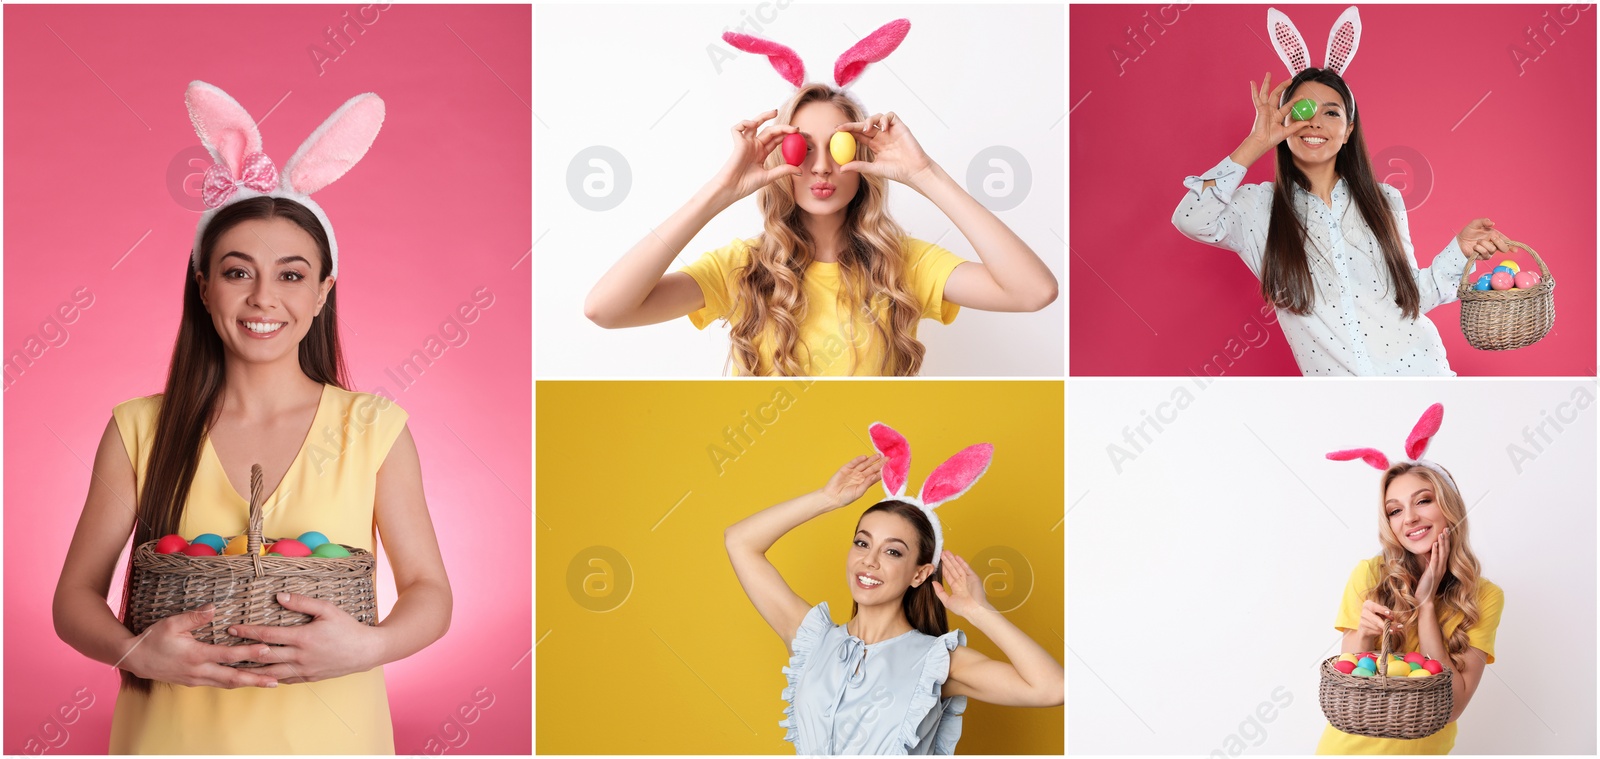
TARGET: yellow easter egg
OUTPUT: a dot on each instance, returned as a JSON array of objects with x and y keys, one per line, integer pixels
[
  {"x": 1420, "y": 673},
  {"x": 238, "y": 545},
  {"x": 1349, "y": 658},
  {"x": 1512, "y": 265},
  {"x": 842, "y": 147}
]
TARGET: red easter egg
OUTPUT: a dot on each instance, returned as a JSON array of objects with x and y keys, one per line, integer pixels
[
  {"x": 171, "y": 544},
  {"x": 794, "y": 149},
  {"x": 1433, "y": 666},
  {"x": 1501, "y": 281},
  {"x": 1415, "y": 658},
  {"x": 1345, "y": 666},
  {"x": 199, "y": 549},
  {"x": 290, "y": 547}
]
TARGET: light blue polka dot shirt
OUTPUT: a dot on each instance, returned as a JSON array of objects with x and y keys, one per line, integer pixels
[{"x": 1355, "y": 327}]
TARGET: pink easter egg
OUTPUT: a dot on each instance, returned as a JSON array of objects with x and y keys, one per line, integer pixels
[
  {"x": 1526, "y": 279},
  {"x": 1415, "y": 658},
  {"x": 1501, "y": 281},
  {"x": 794, "y": 149}
]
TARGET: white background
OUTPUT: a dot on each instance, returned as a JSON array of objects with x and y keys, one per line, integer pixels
[
  {"x": 639, "y": 80},
  {"x": 1207, "y": 573}
]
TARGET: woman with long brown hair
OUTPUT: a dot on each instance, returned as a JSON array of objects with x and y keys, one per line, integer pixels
[
  {"x": 895, "y": 678},
  {"x": 257, "y": 376},
  {"x": 832, "y": 286},
  {"x": 1330, "y": 245}
]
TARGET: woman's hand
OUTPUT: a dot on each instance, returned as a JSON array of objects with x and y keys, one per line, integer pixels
[
  {"x": 1481, "y": 240},
  {"x": 965, "y": 595},
  {"x": 895, "y": 153},
  {"x": 332, "y": 644},
  {"x": 1438, "y": 564},
  {"x": 166, "y": 651},
  {"x": 852, "y": 480},
  {"x": 746, "y": 170},
  {"x": 1269, "y": 129},
  {"x": 1374, "y": 618}
]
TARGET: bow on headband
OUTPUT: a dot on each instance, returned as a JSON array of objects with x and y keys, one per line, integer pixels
[
  {"x": 871, "y": 49},
  {"x": 1416, "y": 445},
  {"x": 947, "y": 481},
  {"x": 258, "y": 174}
]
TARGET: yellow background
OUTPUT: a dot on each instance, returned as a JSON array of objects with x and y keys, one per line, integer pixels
[{"x": 679, "y": 661}]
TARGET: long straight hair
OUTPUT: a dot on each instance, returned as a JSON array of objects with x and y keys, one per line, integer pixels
[
  {"x": 1457, "y": 592},
  {"x": 194, "y": 382},
  {"x": 1285, "y": 268},
  {"x": 922, "y": 608}
]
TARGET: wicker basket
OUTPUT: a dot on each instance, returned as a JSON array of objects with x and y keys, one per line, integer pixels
[
  {"x": 1502, "y": 320},
  {"x": 1383, "y": 706},
  {"x": 244, "y": 588}
]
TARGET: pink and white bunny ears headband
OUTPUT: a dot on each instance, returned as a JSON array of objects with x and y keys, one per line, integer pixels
[
  {"x": 1343, "y": 40},
  {"x": 1416, "y": 444},
  {"x": 871, "y": 49},
  {"x": 242, "y": 171},
  {"x": 947, "y": 481}
]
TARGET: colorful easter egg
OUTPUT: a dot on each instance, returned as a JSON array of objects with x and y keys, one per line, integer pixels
[
  {"x": 1419, "y": 673},
  {"x": 290, "y": 547},
  {"x": 312, "y": 539},
  {"x": 1501, "y": 280},
  {"x": 212, "y": 539},
  {"x": 1363, "y": 672},
  {"x": 199, "y": 549},
  {"x": 1510, "y": 264},
  {"x": 1344, "y": 666},
  {"x": 1415, "y": 658},
  {"x": 1503, "y": 269},
  {"x": 171, "y": 544},
  {"x": 1432, "y": 666},
  {"x": 794, "y": 149},
  {"x": 842, "y": 147},
  {"x": 1304, "y": 109},
  {"x": 1482, "y": 283},
  {"x": 1525, "y": 280},
  {"x": 1352, "y": 658},
  {"x": 330, "y": 551}
]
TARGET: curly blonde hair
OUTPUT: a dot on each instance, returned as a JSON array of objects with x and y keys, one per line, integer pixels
[
  {"x": 770, "y": 300},
  {"x": 1458, "y": 589}
]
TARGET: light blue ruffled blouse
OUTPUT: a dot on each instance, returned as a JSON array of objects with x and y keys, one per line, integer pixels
[{"x": 846, "y": 697}]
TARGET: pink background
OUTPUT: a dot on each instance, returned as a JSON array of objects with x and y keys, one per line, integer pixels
[
  {"x": 439, "y": 208},
  {"x": 1148, "y": 301}
]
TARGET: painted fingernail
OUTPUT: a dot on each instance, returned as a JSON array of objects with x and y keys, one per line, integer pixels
[{"x": 272, "y": 684}]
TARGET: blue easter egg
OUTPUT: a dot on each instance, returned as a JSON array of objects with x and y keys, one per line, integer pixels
[
  {"x": 1482, "y": 283},
  {"x": 1368, "y": 662},
  {"x": 1505, "y": 269},
  {"x": 213, "y": 540},
  {"x": 313, "y": 539}
]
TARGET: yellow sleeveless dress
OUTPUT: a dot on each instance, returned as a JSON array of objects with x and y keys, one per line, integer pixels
[{"x": 329, "y": 488}]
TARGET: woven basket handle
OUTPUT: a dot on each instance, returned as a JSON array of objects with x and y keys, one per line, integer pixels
[
  {"x": 1466, "y": 275},
  {"x": 253, "y": 531},
  {"x": 1383, "y": 655}
]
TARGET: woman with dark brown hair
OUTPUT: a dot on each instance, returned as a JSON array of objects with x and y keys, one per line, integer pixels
[{"x": 257, "y": 376}]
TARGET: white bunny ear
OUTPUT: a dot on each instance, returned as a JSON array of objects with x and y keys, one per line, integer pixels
[
  {"x": 1287, "y": 40},
  {"x": 224, "y": 126},
  {"x": 1343, "y": 40},
  {"x": 335, "y": 146}
]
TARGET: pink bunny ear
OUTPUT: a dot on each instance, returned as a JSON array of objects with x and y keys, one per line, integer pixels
[
  {"x": 783, "y": 59},
  {"x": 1372, "y": 456},
  {"x": 1427, "y": 426},
  {"x": 871, "y": 49},
  {"x": 335, "y": 146},
  {"x": 1343, "y": 40},
  {"x": 897, "y": 457},
  {"x": 224, "y": 126},
  {"x": 1286, "y": 39},
  {"x": 957, "y": 474}
]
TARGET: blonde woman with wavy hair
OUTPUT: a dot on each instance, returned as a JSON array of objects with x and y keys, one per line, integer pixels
[
  {"x": 1426, "y": 591},
  {"x": 832, "y": 286}
]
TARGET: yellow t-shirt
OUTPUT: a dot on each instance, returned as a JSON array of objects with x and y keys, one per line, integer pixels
[
  {"x": 330, "y": 488},
  {"x": 1362, "y": 579},
  {"x": 827, "y": 334}
]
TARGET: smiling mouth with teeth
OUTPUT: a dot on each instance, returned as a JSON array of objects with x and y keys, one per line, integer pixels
[
  {"x": 263, "y": 329},
  {"x": 869, "y": 582}
]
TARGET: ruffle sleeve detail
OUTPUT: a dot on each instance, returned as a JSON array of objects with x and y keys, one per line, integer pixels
[
  {"x": 925, "y": 697},
  {"x": 816, "y": 622}
]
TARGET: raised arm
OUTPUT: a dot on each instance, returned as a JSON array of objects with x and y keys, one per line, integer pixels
[
  {"x": 1031, "y": 677},
  {"x": 748, "y": 540},
  {"x": 637, "y": 290}
]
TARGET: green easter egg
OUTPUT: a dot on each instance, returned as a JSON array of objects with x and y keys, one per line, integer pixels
[
  {"x": 1304, "y": 109},
  {"x": 330, "y": 551}
]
